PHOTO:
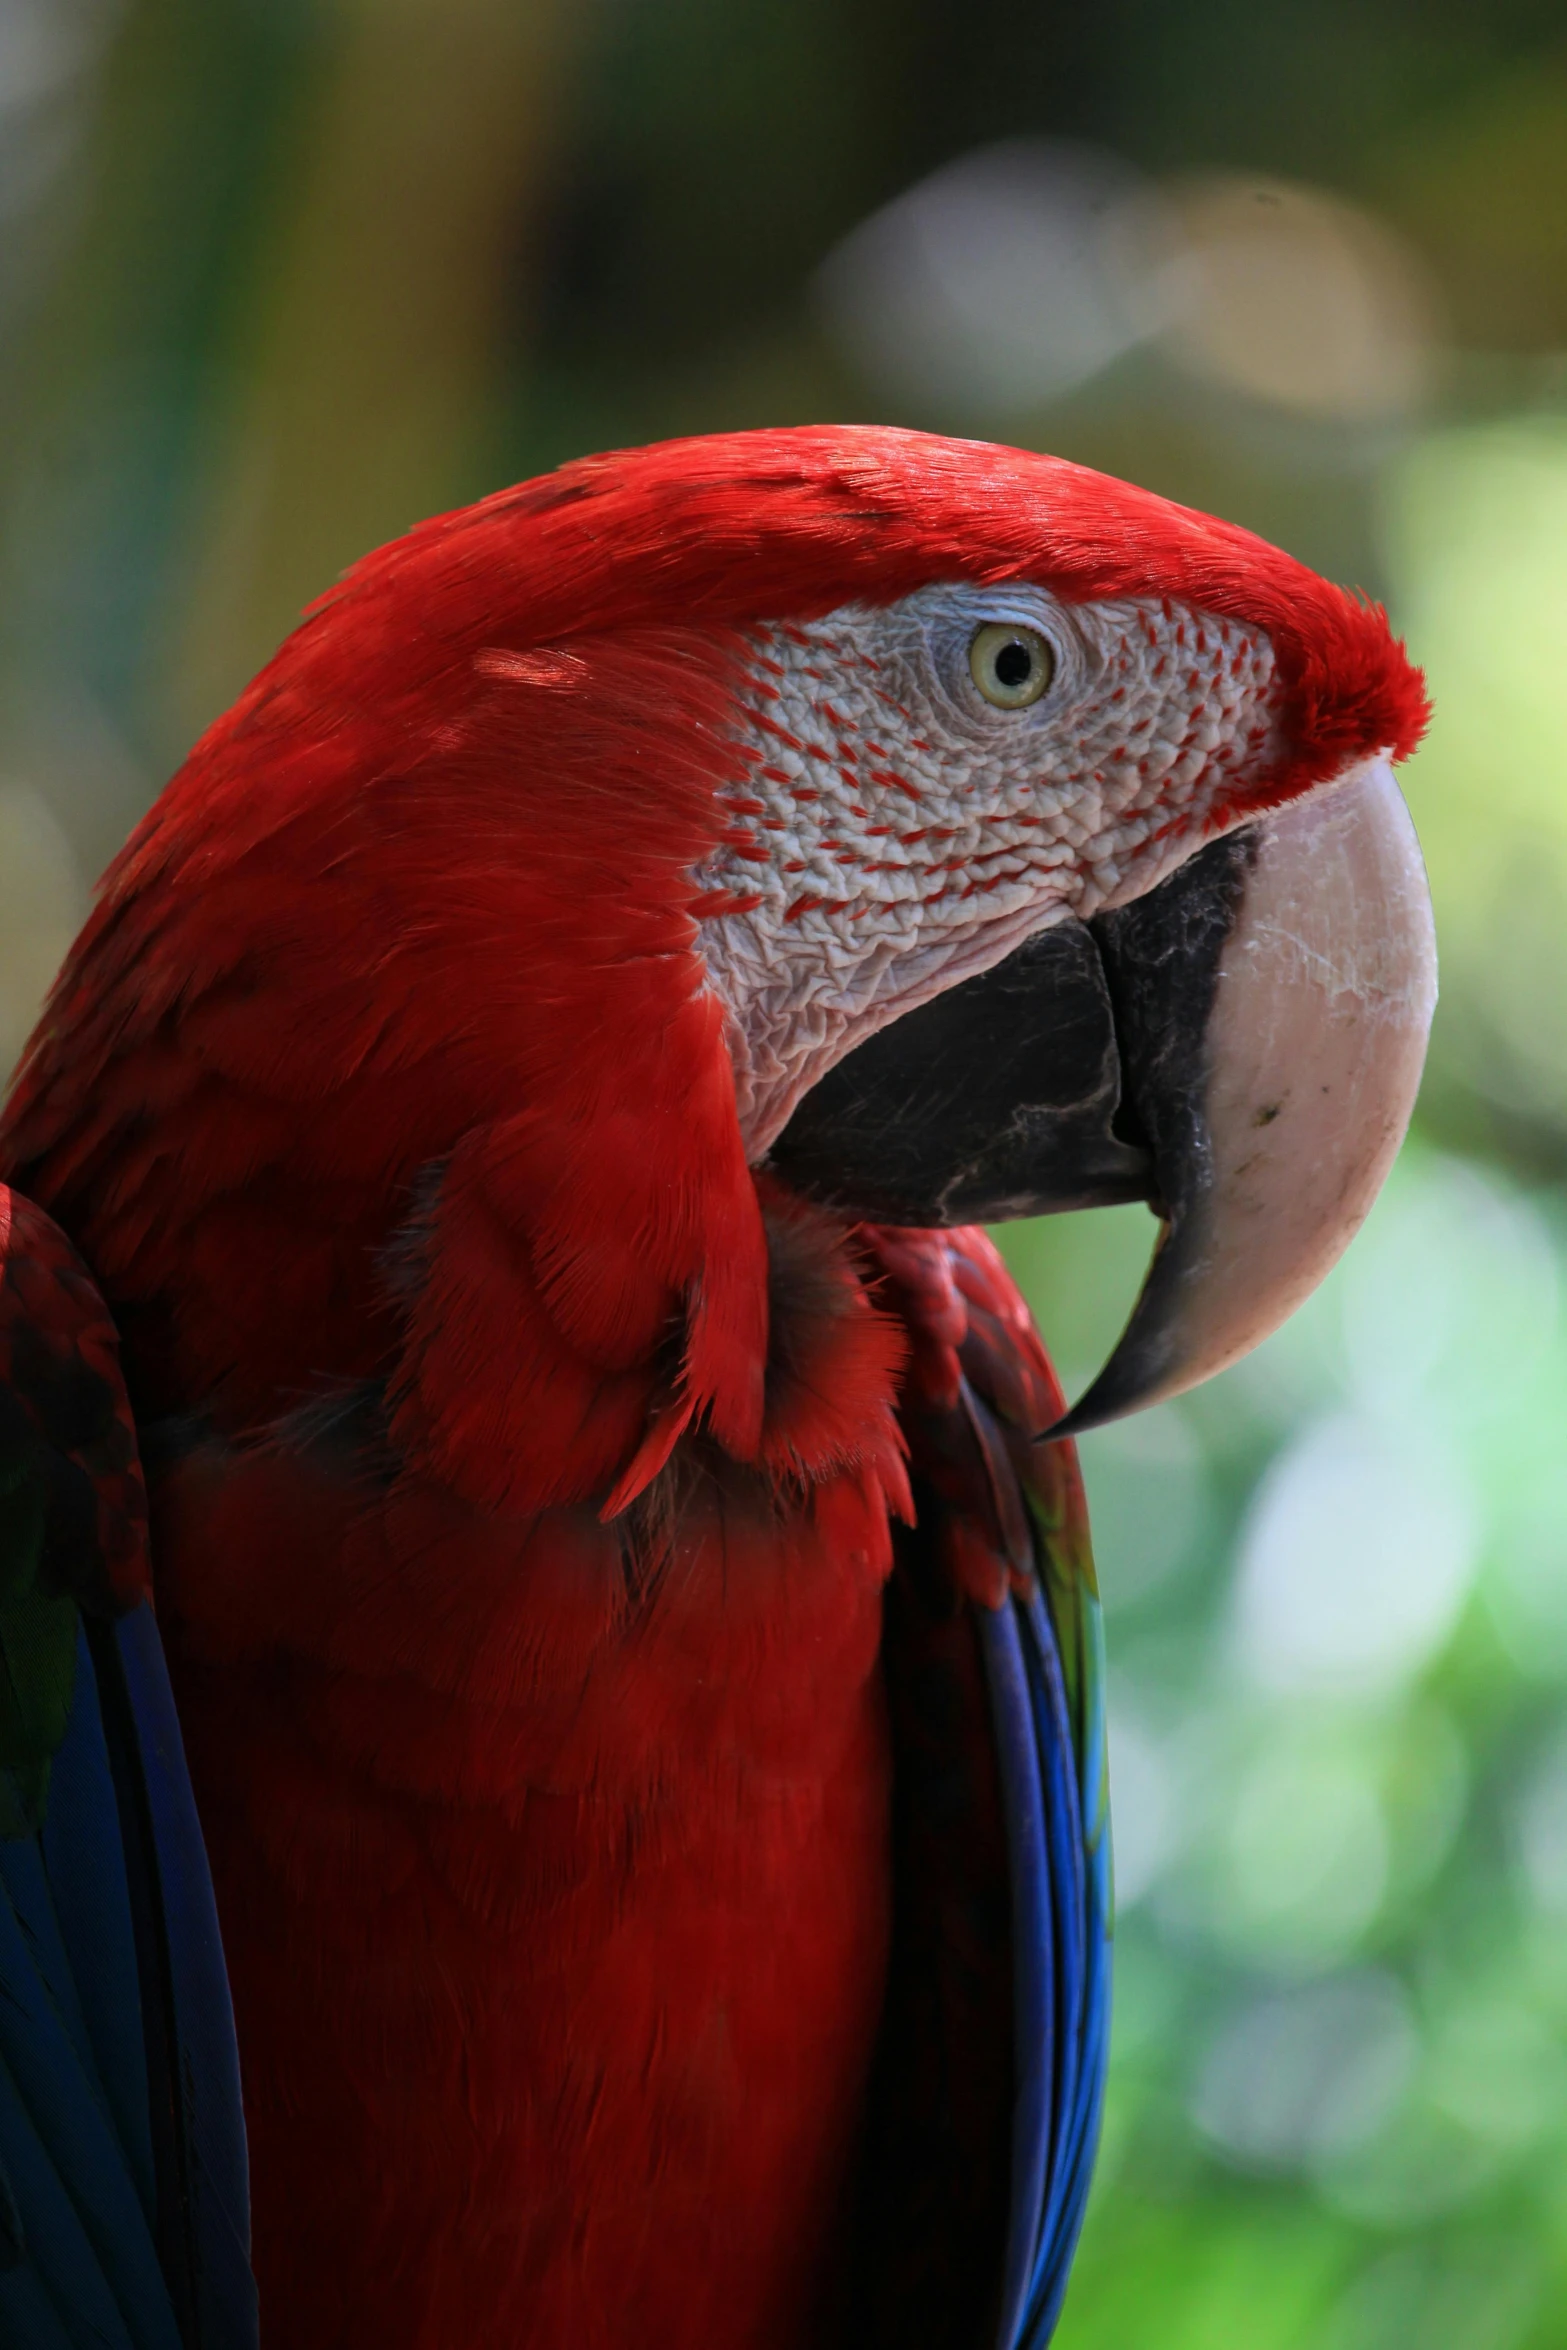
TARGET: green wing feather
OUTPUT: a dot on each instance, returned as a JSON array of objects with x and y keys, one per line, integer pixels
[
  {"x": 72, "y": 1506},
  {"x": 1058, "y": 1507},
  {"x": 37, "y": 1638}
]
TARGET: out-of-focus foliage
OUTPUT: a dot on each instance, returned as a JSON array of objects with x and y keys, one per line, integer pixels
[
  {"x": 277, "y": 276},
  {"x": 1336, "y": 1589},
  {"x": 1475, "y": 523}
]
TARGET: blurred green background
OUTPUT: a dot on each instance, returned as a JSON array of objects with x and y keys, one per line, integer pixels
[{"x": 279, "y": 276}]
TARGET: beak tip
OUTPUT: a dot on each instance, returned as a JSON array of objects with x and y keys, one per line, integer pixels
[
  {"x": 1314, "y": 1041},
  {"x": 1122, "y": 1386}
]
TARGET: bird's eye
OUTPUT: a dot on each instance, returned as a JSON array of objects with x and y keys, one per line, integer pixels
[{"x": 1011, "y": 665}]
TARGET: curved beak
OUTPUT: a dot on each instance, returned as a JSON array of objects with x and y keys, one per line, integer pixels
[
  {"x": 1273, "y": 1126},
  {"x": 1241, "y": 1047}
]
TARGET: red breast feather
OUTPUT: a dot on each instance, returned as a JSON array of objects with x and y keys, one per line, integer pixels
[{"x": 553, "y": 1862}]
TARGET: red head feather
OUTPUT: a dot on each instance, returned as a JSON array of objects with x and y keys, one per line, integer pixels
[{"x": 424, "y": 896}]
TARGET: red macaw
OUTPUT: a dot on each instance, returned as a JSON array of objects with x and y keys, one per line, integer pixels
[{"x": 523, "y": 1096}]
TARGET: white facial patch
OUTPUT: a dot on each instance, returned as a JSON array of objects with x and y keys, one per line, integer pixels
[{"x": 899, "y": 832}]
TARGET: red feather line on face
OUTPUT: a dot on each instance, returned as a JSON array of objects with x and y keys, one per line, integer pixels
[{"x": 424, "y": 898}]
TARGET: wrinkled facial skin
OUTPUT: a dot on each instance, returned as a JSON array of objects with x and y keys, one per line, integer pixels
[
  {"x": 982, "y": 961},
  {"x": 900, "y": 833}
]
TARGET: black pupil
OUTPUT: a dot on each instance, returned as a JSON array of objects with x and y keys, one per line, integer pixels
[{"x": 1014, "y": 665}]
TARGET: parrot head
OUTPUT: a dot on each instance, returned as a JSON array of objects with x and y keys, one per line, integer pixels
[{"x": 943, "y": 831}]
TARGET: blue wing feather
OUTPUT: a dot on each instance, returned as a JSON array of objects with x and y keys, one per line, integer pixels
[
  {"x": 1080, "y": 1857},
  {"x": 132, "y": 2207},
  {"x": 84, "y": 1861},
  {"x": 1052, "y": 1769},
  {"x": 27, "y": 2315},
  {"x": 86, "y": 2229},
  {"x": 41, "y": 2155},
  {"x": 203, "y": 2052},
  {"x": 1034, "y": 1961},
  {"x": 124, "y": 2203}
]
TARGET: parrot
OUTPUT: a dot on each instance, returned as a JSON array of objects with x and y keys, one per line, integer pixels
[{"x": 552, "y": 1720}]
